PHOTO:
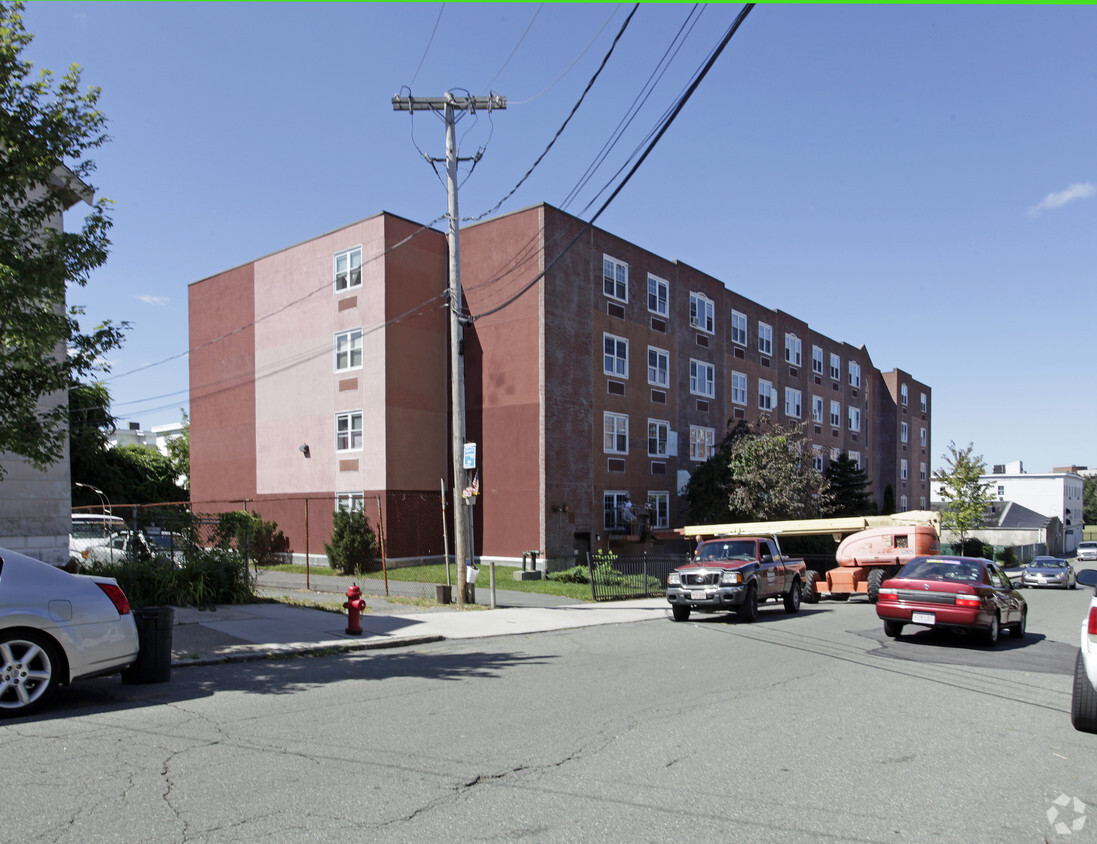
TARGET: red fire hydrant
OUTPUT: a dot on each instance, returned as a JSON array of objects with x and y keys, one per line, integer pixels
[{"x": 354, "y": 606}]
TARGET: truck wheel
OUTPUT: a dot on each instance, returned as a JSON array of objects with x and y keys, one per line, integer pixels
[
  {"x": 1083, "y": 703},
  {"x": 793, "y": 596},
  {"x": 807, "y": 591},
  {"x": 894, "y": 629},
  {"x": 679, "y": 612},
  {"x": 748, "y": 611},
  {"x": 875, "y": 578}
]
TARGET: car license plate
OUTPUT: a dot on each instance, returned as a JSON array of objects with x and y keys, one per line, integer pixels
[
  {"x": 697, "y": 595},
  {"x": 923, "y": 618}
]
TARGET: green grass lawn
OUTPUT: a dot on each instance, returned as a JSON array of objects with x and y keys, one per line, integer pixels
[{"x": 504, "y": 579}]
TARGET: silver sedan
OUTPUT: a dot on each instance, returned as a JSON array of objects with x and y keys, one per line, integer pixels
[
  {"x": 1049, "y": 571},
  {"x": 57, "y": 627}
]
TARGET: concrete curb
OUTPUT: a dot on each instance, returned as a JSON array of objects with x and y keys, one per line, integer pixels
[{"x": 252, "y": 653}]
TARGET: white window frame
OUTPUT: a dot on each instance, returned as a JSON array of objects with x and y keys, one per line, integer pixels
[
  {"x": 739, "y": 388},
  {"x": 347, "y": 343},
  {"x": 835, "y": 414},
  {"x": 349, "y": 275},
  {"x": 835, "y": 367},
  {"x": 817, "y": 409},
  {"x": 902, "y": 503},
  {"x": 659, "y": 508},
  {"x": 612, "y": 502},
  {"x": 350, "y": 502},
  {"x": 614, "y": 432},
  {"x": 922, "y": 471},
  {"x": 904, "y": 432},
  {"x": 904, "y": 396},
  {"x": 793, "y": 403},
  {"x": 817, "y": 458},
  {"x": 904, "y": 469},
  {"x": 817, "y": 360},
  {"x": 658, "y": 367},
  {"x": 659, "y": 292},
  {"x": 855, "y": 419},
  {"x": 765, "y": 338},
  {"x": 924, "y": 402},
  {"x": 702, "y": 443},
  {"x": 854, "y": 374},
  {"x": 615, "y": 363},
  {"x": 922, "y": 436},
  {"x": 766, "y": 395},
  {"x": 659, "y": 434},
  {"x": 348, "y": 437},
  {"x": 739, "y": 335},
  {"x": 615, "y": 278},
  {"x": 793, "y": 349},
  {"x": 855, "y": 456},
  {"x": 702, "y": 312},
  {"x": 835, "y": 453},
  {"x": 702, "y": 378}
]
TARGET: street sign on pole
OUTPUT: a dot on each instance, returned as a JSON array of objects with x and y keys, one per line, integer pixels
[{"x": 470, "y": 455}]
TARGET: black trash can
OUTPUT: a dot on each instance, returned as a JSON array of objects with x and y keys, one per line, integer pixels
[{"x": 153, "y": 663}]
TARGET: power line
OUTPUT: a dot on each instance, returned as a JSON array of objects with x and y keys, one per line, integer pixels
[
  {"x": 427, "y": 48},
  {"x": 522, "y": 38}
]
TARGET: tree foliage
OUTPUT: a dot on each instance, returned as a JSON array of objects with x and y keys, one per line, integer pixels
[
  {"x": 849, "y": 488},
  {"x": 353, "y": 543},
  {"x": 252, "y": 536},
  {"x": 772, "y": 476},
  {"x": 708, "y": 492},
  {"x": 47, "y": 129},
  {"x": 90, "y": 427},
  {"x": 966, "y": 496},
  {"x": 1089, "y": 501},
  {"x": 179, "y": 453}
]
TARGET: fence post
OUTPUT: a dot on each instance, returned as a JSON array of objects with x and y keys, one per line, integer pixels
[
  {"x": 381, "y": 539},
  {"x": 590, "y": 568},
  {"x": 307, "y": 567},
  {"x": 645, "y": 580}
]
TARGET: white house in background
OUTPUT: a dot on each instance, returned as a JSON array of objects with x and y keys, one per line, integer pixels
[
  {"x": 1053, "y": 494},
  {"x": 158, "y": 436}
]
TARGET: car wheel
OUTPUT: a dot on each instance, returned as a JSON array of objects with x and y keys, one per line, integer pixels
[
  {"x": 793, "y": 597},
  {"x": 679, "y": 612},
  {"x": 29, "y": 672},
  {"x": 748, "y": 611},
  {"x": 1083, "y": 702},
  {"x": 894, "y": 629},
  {"x": 1017, "y": 631},
  {"x": 808, "y": 592},
  {"x": 875, "y": 578},
  {"x": 990, "y": 635}
]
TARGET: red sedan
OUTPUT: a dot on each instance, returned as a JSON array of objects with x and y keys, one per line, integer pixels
[{"x": 956, "y": 593}]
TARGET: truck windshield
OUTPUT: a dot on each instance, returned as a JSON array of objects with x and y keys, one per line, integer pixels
[{"x": 730, "y": 549}]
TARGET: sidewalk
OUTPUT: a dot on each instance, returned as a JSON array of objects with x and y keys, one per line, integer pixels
[{"x": 265, "y": 630}]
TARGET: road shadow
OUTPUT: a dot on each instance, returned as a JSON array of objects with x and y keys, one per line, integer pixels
[
  {"x": 766, "y": 615},
  {"x": 1033, "y": 653}
]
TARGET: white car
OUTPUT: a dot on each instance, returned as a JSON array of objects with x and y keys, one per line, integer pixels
[
  {"x": 57, "y": 627},
  {"x": 1083, "y": 703},
  {"x": 1087, "y": 552}
]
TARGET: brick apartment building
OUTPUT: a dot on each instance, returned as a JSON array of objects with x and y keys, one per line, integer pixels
[{"x": 613, "y": 375}]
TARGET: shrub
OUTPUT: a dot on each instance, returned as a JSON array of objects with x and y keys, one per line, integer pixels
[
  {"x": 253, "y": 537},
  {"x": 353, "y": 544},
  {"x": 216, "y": 576},
  {"x": 1008, "y": 556}
]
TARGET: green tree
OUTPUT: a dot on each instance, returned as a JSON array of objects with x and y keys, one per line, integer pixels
[
  {"x": 849, "y": 487},
  {"x": 888, "y": 505},
  {"x": 1089, "y": 501},
  {"x": 966, "y": 496},
  {"x": 47, "y": 129},
  {"x": 708, "y": 491},
  {"x": 90, "y": 427},
  {"x": 139, "y": 474},
  {"x": 353, "y": 543},
  {"x": 772, "y": 476},
  {"x": 179, "y": 453}
]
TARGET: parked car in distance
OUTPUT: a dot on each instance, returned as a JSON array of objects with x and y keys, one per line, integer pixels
[
  {"x": 1049, "y": 571},
  {"x": 1083, "y": 702},
  {"x": 57, "y": 627},
  {"x": 956, "y": 593},
  {"x": 139, "y": 545},
  {"x": 1087, "y": 552},
  {"x": 90, "y": 529}
]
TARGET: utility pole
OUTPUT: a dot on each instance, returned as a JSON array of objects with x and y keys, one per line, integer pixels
[{"x": 449, "y": 104}]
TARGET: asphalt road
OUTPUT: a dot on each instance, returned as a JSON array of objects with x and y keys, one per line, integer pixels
[{"x": 812, "y": 727}]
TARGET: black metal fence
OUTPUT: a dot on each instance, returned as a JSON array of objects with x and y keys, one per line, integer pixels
[{"x": 616, "y": 577}]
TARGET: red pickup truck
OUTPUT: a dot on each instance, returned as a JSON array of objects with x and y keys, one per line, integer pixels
[{"x": 735, "y": 574}]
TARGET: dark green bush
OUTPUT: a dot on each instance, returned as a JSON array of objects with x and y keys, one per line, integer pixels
[
  {"x": 258, "y": 540},
  {"x": 216, "y": 576},
  {"x": 353, "y": 543}
]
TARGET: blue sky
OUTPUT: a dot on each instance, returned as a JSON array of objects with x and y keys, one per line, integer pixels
[{"x": 921, "y": 180}]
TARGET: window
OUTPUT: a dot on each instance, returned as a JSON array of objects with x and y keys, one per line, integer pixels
[
  {"x": 835, "y": 414},
  {"x": 903, "y": 471},
  {"x": 855, "y": 419},
  {"x": 792, "y": 349},
  {"x": 855, "y": 456},
  {"x": 835, "y": 453},
  {"x": 614, "y": 278},
  {"x": 922, "y": 503},
  {"x": 658, "y": 295},
  {"x": 765, "y": 338},
  {"x": 903, "y": 395},
  {"x": 701, "y": 443},
  {"x": 701, "y": 312},
  {"x": 738, "y": 328},
  {"x": 817, "y": 409},
  {"x": 348, "y": 431},
  {"x": 792, "y": 402},
  {"x": 348, "y": 350},
  {"x": 816, "y": 360},
  {"x": 613, "y": 501},
  {"x": 922, "y": 472},
  {"x": 615, "y": 355},
  {"x": 659, "y": 508},
  {"x": 350, "y": 502},
  {"x": 922, "y": 437},
  {"x": 902, "y": 502},
  {"x": 854, "y": 374},
  {"x": 817, "y": 458},
  {"x": 923, "y": 402},
  {"x": 835, "y": 367},
  {"x": 348, "y": 269},
  {"x": 658, "y": 367},
  {"x": 738, "y": 388},
  {"x": 615, "y": 433},
  {"x": 702, "y": 379},
  {"x": 904, "y": 432},
  {"x": 658, "y": 434},
  {"x": 766, "y": 395}
]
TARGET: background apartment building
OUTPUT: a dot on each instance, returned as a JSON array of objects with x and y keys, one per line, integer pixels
[{"x": 592, "y": 375}]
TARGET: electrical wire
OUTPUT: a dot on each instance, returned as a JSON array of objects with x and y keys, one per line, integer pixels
[
  {"x": 529, "y": 26},
  {"x": 427, "y": 48},
  {"x": 570, "y": 67}
]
